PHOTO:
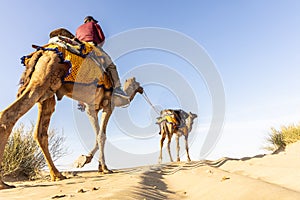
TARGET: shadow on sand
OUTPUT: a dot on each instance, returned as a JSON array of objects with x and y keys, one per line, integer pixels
[{"x": 152, "y": 186}]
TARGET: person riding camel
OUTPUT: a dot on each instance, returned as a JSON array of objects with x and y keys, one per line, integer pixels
[{"x": 90, "y": 31}]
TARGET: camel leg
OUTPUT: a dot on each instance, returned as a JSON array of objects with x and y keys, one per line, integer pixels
[
  {"x": 92, "y": 114},
  {"x": 45, "y": 111},
  {"x": 169, "y": 149},
  {"x": 101, "y": 138},
  {"x": 93, "y": 117},
  {"x": 10, "y": 116},
  {"x": 41, "y": 80},
  {"x": 178, "y": 147},
  {"x": 169, "y": 129},
  {"x": 187, "y": 148},
  {"x": 5, "y": 130},
  {"x": 163, "y": 137}
]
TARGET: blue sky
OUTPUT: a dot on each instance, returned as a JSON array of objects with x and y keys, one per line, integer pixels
[{"x": 254, "y": 45}]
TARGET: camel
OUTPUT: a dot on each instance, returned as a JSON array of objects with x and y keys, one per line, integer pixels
[
  {"x": 43, "y": 82},
  {"x": 176, "y": 122}
]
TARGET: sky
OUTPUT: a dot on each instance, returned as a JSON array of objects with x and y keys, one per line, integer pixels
[{"x": 252, "y": 47}]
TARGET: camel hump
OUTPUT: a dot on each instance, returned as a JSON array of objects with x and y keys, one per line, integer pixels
[
  {"x": 175, "y": 116},
  {"x": 61, "y": 32},
  {"x": 182, "y": 114}
]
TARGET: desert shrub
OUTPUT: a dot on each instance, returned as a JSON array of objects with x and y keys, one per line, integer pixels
[
  {"x": 22, "y": 155},
  {"x": 279, "y": 138}
]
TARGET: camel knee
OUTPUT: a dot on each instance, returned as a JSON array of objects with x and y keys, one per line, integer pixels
[
  {"x": 169, "y": 143},
  {"x": 5, "y": 130},
  {"x": 162, "y": 142},
  {"x": 6, "y": 123},
  {"x": 4, "y": 135},
  {"x": 101, "y": 138}
]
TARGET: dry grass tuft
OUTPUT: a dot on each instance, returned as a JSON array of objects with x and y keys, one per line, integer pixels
[
  {"x": 279, "y": 139},
  {"x": 22, "y": 155}
]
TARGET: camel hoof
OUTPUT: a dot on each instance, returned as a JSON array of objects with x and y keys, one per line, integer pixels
[
  {"x": 159, "y": 160},
  {"x": 107, "y": 171},
  {"x": 104, "y": 170},
  {"x": 82, "y": 160},
  {"x": 4, "y": 186},
  {"x": 58, "y": 177}
]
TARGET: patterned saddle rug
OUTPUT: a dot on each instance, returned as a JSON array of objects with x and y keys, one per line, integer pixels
[
  {"x": 175, "y": 117},
  {"x": 85, "y": 61}
]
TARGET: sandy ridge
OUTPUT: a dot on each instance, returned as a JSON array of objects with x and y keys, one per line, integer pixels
[{"x": 261, "y": 177}]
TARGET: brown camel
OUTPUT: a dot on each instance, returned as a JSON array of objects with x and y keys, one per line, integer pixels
[
  {"x": 43, "y": 83},
  {"x": 176, "y": 122}
]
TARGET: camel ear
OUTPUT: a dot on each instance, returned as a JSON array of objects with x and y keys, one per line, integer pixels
[{"x": 193, "y": 115}]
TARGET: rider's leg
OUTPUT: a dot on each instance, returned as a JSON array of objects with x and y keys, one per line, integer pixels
[
  {"x": 113, "y": 73},
  {"x": 111, "y": 69}
]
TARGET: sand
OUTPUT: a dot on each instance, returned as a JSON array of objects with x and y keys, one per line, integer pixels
[{"x": 261, "y": 177}]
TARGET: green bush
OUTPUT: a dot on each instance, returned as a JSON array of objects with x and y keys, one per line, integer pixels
[
  {"x": 278, "y": 139},
  {"x": 22, "y": 155}
]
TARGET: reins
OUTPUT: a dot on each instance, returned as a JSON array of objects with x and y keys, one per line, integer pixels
[{"x": 149, "y": 102}]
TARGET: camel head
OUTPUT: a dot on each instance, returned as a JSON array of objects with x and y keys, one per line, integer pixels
[
  {"x": 131, "y": 87},
  {"x": 190, "y": 120},
  {"x": 192, "y": 115}
]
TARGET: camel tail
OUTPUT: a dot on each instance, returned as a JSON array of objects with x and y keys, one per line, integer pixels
[
  {"x": 164, "y": 129},
  {"x": 30, "y": 66},
  {"x": 162, "y": 126}
]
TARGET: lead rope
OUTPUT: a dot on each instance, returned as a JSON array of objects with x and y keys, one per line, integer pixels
[{"x": 149, "y": 102}]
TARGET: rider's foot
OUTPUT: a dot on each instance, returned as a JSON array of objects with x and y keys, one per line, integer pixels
[{"x": 119, "y": 92}]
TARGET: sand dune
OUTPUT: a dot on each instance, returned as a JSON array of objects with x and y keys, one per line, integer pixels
[{"x": 262, "y": 177}]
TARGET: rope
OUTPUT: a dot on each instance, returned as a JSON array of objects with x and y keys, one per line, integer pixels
[{"x": 149, "y": 102}]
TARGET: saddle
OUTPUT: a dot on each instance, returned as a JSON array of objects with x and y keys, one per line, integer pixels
[
  {"x": 175, "y": 117},
  {"x": 61, "y": 32},
  {"x": 84, "y": 59}
]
